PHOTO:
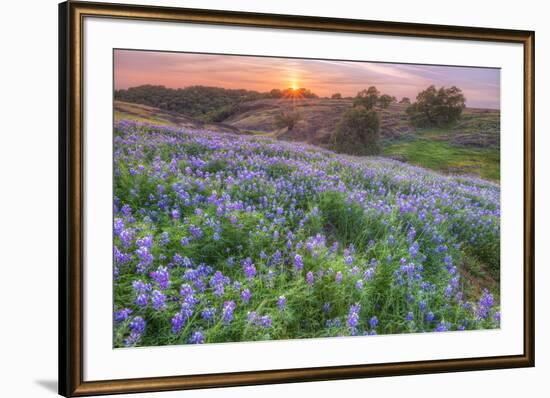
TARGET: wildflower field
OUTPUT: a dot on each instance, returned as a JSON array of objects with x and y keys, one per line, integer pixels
[{"x": 227, "y": 238}]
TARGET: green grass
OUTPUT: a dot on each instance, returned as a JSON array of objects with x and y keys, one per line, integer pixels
[{"x": 430, "y": 149}]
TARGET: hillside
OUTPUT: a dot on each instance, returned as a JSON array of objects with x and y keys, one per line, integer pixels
[
  {"x": 318, "y": 118},
  {"x": 149, "y": 114},
  {"x": 471, "y": 146}
]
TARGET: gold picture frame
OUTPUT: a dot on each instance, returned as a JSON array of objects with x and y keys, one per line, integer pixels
[{"x": 71, "y": 16}]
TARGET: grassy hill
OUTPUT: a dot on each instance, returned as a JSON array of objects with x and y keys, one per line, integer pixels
[
  {"x": 152, "y": 115},
  {"x": 471, "y": 146}
]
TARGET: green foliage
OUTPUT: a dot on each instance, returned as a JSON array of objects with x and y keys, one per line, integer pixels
[
  {"x": 437, "y": 107},
  {"x": 367, "y": 98},
  {"x": 210, "y": 103},
  {"x": 358, "y": 132},
  {"x": 385, "y": 100}
]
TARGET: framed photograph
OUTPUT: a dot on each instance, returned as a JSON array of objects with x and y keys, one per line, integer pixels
[{"x": 253, "y": 199}]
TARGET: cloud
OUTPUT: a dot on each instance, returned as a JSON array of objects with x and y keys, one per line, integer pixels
[{"x": 480, "y": 85}]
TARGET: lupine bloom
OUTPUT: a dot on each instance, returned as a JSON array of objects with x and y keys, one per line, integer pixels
[
  {"x": 178, "y": 321},
  {"x": 137, "y": 327},
  {"x": 142, "y": 300},
  {"x": 158, "y": 299},
  {"x": 228, "y": 309},
  {"x": 359, "y": 284},
  {"x": 353, "y": 316},
  {"x": 122, "y": 314},
  {"x": 373, "y": 322},
  {"x": 252, "y": 317},
  {"x": 145, "y": 259},
  {"x": 162, "y": 277},
  {"x": 265, "y": 321},
  {"x": 430, "y": 316},
  {"x": 339, "y": 277},
  {"x": 410, "y": 316},
  {"x": 441, "y": 327},
  {"x": 208, "y": 313},
  {"x": 485, "y": 304},
  {"x": 245, "y": 295},
  {"x": 197, "y": 338},
  {"x": 281, "y": 303},
  {"x": 309, "y": 278},
  {"x": 298, "y": 262},
  {"x": 249, "y": 269}
]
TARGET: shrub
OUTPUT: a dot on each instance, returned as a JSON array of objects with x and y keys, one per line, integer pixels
[
  {"x": 385, "y": 100},
  {"x": 357, "y": 133},
  {"x": 287, "y": 119},
  {"x": 405, "y": 100},
  {"x": 367, "y": 98},
  {"x": 336, "y": 96},
  {"x": 437, "y": 107}
]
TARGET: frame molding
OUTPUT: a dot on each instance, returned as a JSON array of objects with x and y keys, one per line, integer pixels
[{"x": 71, "y": 237}]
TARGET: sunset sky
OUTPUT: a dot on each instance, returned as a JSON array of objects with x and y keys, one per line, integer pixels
[{"x": 481, "y": 86}]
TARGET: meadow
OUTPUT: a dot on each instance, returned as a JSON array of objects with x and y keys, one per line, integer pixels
[{"x": 222, "y": 237}]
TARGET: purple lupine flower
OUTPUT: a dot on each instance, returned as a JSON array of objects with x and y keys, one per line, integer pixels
[
  {"x": 208, "y": 313},
  {"x": 326, "y": 307},
  {"x": 137, "y": 327},
  {"x": 281, "y": 303},
  {"x": 422, "y": 305},
  {"x": 442, "y": 327},
  {"x": 410, "y": 316},
  {"x": 145, "y": 258},
  {"x": 430, "y": 316},
  {"x": 197, "y": 338},
  {"x": 309, "y": 278},
  {"x": 122, "y": 314},
  {"x": 359, "y": 284},
  {"x": 178, "y": 322},
  {"x": 249, "y": 268},
  {"x": 162, "y": 277},
  {"x": 298, "y": 262},
  {"x": 218, "y": 281},
  {"x": 252, "y": 317},
  {"x": 126, "y": 210},
  {"x": 159, "y": 300},
  {"x": 142, "y": 300},
  {"x": 164, "y": 238},
  {"x": 265, "y": 321},
  {"x": 245, "y": 295},
  {"x": 227, "y": 311},
  {"x": 373, "y": 322},
  {"x": 339, "y": 277},
  {"x": 353, "y": 315},
  {"x": 484, "y": 305},
  {"x": 118, "y": 226},
  {"x": 413, "y": 250}
]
